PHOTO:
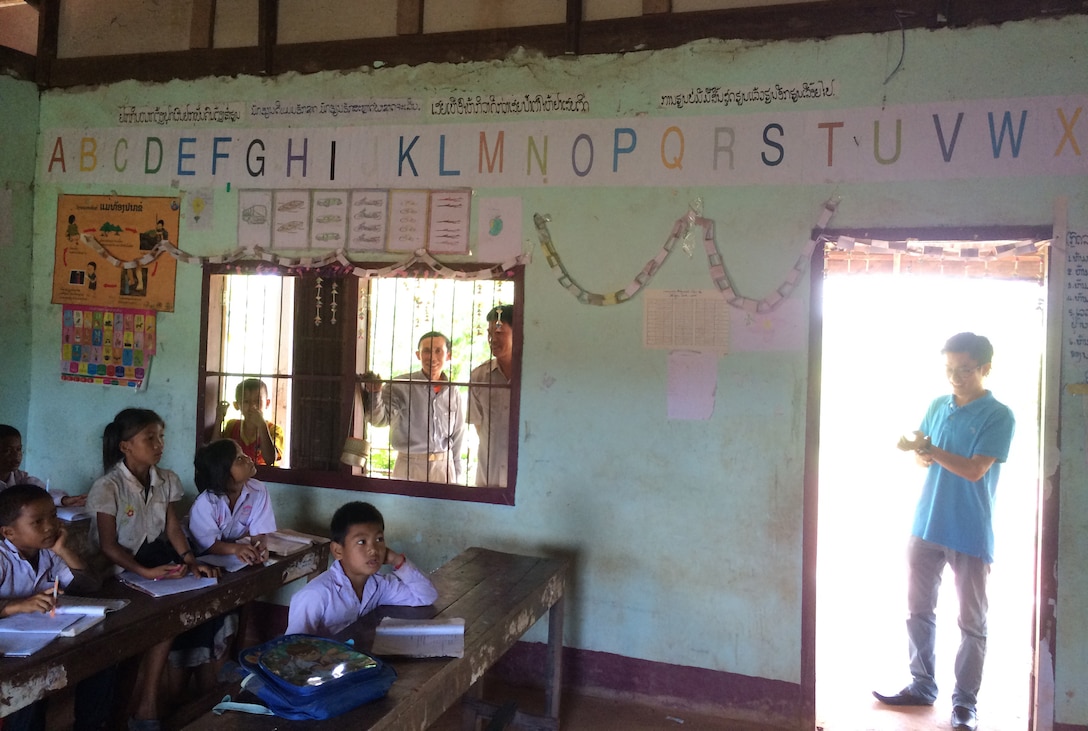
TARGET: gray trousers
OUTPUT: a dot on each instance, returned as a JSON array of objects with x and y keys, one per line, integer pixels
[{"x": 926, "y": 562}]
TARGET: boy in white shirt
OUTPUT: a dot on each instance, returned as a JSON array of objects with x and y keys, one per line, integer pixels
[
  {"x": 11, "y": 456},
  {"x": 34, "y": 557},
  {"x": 353, "y": 585}
]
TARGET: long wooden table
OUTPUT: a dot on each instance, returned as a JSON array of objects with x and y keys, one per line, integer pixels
[
  {"x": 500, "y": 596},
  {"x": 145, "y": 622}
]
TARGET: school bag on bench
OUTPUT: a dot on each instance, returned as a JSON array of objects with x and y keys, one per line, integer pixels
[{"x": 303, "y": 677}]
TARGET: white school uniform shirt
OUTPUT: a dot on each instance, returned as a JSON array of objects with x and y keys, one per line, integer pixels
[
  {"x": 19, "y": 579},
  {"x": 139, "y": 519},
  {"x": 211, "y": 519},
  {"x": 21, "y": 477},
  {"x": 328, "y": 603}
]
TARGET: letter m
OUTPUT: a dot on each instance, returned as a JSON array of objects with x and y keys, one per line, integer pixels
[
  {"x": 998, "y": 141},
  {"x": 491, "y": 156}
]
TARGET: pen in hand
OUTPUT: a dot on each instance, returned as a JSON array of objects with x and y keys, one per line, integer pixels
[
  {"x": 171, "y": 572},
  {"x": 56, "y": 586}
]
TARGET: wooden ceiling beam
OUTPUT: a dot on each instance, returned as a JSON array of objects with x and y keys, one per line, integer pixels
[{"x": 657, "y": 29}]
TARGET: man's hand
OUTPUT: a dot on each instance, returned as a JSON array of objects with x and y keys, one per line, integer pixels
[
  {"x": 77, "y": 501},
  {"x": 372, "y": 382},
  {"x": 919, "y": 443}
]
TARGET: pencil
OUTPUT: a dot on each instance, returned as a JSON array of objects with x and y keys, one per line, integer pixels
[{"x": 56, "y": 585}]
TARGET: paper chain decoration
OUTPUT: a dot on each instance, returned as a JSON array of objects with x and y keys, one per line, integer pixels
[
  {"x": 715, "y": 263},
  {"x": 339, "y": 256},
  {"x": 935, "y": 250}
]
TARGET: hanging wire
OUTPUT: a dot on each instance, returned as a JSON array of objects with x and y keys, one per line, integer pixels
[{"x": 899, "y": 15}]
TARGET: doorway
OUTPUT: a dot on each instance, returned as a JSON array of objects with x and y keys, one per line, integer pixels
[{"x": 881, "y": 366}]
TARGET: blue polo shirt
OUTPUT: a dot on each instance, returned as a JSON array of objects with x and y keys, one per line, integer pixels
[{"x": 952, "y": 511}]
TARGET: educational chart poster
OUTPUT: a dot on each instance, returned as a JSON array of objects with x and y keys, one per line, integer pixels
[
  {"x": 97, "y": 234},
  {"x": 111, "y": 346}
]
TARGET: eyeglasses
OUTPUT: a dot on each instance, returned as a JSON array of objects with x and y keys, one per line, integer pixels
[{"x": 961, "y": 372}]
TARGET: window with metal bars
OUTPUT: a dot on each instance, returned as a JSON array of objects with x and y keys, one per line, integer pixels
[{"x": 344, "y": 364}]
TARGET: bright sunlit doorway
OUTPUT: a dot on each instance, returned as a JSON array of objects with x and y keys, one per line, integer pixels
[{"x": 881, "y": 366}]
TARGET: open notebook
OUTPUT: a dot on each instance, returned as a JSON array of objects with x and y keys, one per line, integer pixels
[
  {"x": 73, "y": 513},
  {"x": 88, "y": 605},
  {"x": 165, "y": 587},
  {"x": 24, "y": 634},
  {"x": 420, "y": 637},
  {"x": 286, "y": 542}
]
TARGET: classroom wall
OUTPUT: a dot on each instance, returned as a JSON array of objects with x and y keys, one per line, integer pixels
[
  {"x": 686, "y": 535},
  {"x": 19, "y": 120}
]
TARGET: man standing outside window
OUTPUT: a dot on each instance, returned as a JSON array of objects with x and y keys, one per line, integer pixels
[
  {"x": 489, "y": 398},
  {"x": 424, "y": 413},
  {"x": 964, "y": 438}
]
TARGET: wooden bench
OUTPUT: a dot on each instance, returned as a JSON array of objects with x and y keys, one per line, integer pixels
[
  {"x": 145, "y": 622},
  {"x": 500, "y": 596}
]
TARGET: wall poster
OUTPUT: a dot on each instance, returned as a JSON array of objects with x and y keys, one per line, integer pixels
[
  {"x": 96, "y": 234},
  {"x": 109, "y": 346}
]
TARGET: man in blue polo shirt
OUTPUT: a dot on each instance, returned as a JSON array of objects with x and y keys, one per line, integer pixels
[{"x": 963, "y": 440}]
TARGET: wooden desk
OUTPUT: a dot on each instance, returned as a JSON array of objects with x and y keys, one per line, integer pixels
[
  {"x": 500, "y": 596},
  {"x": 145, "y": 622}
]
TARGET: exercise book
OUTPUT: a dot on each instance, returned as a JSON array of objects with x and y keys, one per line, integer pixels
[{"x": 165, "y": 587}]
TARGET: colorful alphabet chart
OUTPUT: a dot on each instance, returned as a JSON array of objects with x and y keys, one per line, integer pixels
[{"x": 111, "y": 346}]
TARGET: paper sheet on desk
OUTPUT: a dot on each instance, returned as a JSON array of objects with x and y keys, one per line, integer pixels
[
  {"x": 166, "y": 587},
  {"x": 420, "y": 637},
  {"x": 71, "y": 514},
  {"x": 24, "y": 634},
  {"x": 228, "y": 562},
  {"x": 71, "y": 604},
  {"x": 23, "y": 644},
  {"x": 285, "y": 542}
]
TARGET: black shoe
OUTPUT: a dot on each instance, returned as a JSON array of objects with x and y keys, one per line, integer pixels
[
  {"x": 905, "y": 697},
  {"x": 964, "y": 718}
]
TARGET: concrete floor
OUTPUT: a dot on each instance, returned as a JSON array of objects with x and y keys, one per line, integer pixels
[{"x": 588, "y": 713}]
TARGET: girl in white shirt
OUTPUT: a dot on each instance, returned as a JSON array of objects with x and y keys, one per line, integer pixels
[
  {"x": 231, "y": 505},
  {"x": 136, "y": 527}
]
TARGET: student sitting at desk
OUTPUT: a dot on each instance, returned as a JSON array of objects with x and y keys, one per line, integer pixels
[
  {"x": 34, "y": 559},
  {"x": 11, "y": 456},
  {"x": 136, "y": 528},
  {"x": 231, "y": 505},
  {"x": 352, "y": 586}
]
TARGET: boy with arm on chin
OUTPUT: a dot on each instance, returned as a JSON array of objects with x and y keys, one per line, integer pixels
[
  {"x": 353, "y": 585},
  {"x": 34, "y": 557}
]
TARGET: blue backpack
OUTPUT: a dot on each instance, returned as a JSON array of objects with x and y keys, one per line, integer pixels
[{"x": 302, "y": 677}]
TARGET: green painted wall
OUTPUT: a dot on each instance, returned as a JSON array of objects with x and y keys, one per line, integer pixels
[
  {"x": 667, "y": 519},
  {"x": 19, "y": 122}
]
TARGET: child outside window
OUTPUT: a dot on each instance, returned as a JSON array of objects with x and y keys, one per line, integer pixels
[{"x": 261, "y": 439}]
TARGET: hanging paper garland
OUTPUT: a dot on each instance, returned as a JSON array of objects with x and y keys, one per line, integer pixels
[
  {"x": 960, "y": 251},
  {"x": 339, "y": 256},
  {"x": 716, "y": 265}
]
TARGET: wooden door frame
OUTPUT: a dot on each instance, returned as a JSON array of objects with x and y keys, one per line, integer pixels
[{"x": 1046, "y": 536}]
